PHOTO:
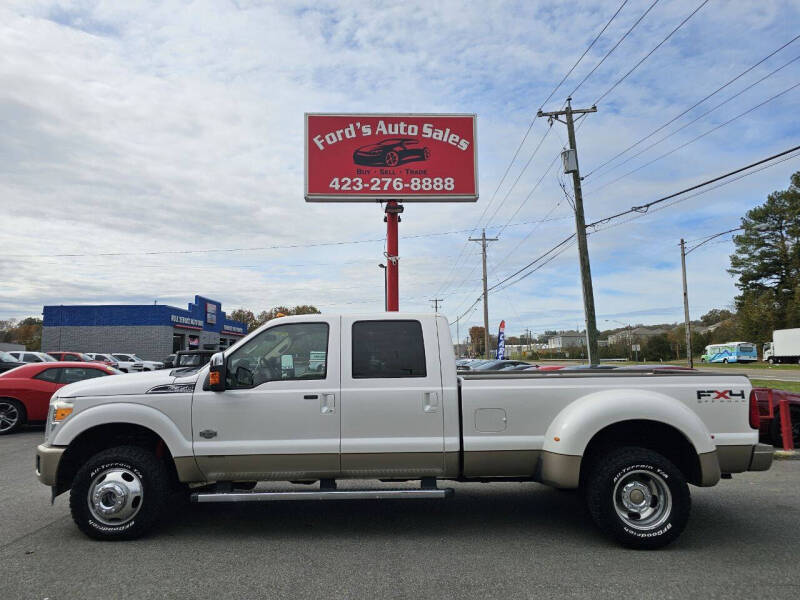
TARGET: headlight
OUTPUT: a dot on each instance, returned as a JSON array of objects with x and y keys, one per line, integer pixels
[{"x": 60, "y": 409}]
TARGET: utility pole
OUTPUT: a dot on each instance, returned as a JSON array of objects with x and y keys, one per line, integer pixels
[
  {"x": 458, "y": 339},
  {"x": 436, "y": 304},
  {"x": 570, "y": 158},
  {"x": 689, "y": 359},
  {"x": 483, "y": 239}
]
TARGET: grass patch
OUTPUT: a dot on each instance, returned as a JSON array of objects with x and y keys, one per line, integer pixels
[{"x": 789, "y": 386}]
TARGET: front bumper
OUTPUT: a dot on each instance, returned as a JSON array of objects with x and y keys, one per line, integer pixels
[
  {"x": 761, "y": 459},
  {"x": 47, "y": 461}
]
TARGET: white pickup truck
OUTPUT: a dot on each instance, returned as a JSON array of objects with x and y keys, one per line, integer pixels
[{"x": 317, "y": 398}]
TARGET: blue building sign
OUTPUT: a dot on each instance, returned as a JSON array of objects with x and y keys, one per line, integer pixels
[{"x": 153, "y": 329}]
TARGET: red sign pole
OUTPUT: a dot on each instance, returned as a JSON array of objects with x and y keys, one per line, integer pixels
[{"x": 393, "y": 210}]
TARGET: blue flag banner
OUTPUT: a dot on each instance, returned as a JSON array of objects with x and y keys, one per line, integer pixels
[{"x": 501, "y": 341}]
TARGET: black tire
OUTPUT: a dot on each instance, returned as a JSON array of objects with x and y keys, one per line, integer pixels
[
  {"x": 725, "y": 360},
  {"x": 775, "y": 435},
  {"x": 771, "y": 360},
  {"x": 12, "y": 415},
  {"x": 155, "y": 485},
  {"x": 642, "y": 469}
]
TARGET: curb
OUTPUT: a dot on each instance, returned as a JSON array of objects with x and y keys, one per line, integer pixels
[{"x": 787, "y": 455}]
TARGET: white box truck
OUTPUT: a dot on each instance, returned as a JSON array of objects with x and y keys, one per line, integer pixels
[{"x": 784, "y": 347}]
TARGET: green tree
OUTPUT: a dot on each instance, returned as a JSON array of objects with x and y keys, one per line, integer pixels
[
  {"x": 254, "y": 322},
  {"x": 715, "y": 315},
  {"x": 658, "y": 347},
  {"x": 767, "y": 263}
]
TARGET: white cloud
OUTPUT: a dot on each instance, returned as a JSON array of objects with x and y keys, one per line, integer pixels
[{"x": 169, "y": 126}]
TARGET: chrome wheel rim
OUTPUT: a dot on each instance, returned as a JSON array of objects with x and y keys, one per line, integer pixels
[
  {"x": 642, "y": 500},
  {"x": 115, "y": 496},
  {"x": 9, "y": 416}
]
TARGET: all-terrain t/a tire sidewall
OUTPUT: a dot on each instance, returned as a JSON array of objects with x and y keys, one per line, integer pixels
[
  {"x": 156, "y": 488},
  {"x": 600, "y": 497}
]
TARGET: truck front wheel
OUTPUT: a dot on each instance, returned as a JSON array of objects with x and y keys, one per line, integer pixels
[
  {"x": 638, "y": 497},
  {"x": 119, "y": 494}
]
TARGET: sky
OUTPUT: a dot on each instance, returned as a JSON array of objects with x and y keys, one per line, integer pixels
[{"x": 160, "y": 145}]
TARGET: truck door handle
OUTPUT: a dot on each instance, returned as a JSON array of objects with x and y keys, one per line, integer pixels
[
  {"x": 310, "y": 396},
  {"x": 430, "y": 402},
  {"x": 327, "y": 405}
]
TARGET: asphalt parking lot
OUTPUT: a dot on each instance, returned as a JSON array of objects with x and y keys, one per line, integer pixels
[{"x": 507, "y": 540}]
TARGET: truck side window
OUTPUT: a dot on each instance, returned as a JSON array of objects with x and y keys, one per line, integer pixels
[
  {"x": 388, "y": 349},
  {"x": 286, "y": 352}
]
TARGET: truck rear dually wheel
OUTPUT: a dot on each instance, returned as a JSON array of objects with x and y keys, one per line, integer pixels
[
  {"x": 638, "y": 497},
  {"x": 119, "y": 493}
]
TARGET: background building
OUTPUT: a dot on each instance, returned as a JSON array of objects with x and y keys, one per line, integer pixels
[{"x": 152, "y": 331}]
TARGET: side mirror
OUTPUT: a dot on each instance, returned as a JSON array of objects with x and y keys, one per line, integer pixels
[{"x": 216, "y": 373}]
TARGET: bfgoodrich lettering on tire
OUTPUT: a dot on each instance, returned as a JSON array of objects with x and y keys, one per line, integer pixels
[
  {"x": 120, "y": 493},
  {"x": 638, "y": 497}
]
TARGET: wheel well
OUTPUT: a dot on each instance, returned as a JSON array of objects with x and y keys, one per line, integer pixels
[
  {"x": 659, "y": 437},
  {"x": 99, "y": 438}
]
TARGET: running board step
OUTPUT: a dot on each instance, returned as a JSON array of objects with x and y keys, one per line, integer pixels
[{"x": 409, "y": 494}]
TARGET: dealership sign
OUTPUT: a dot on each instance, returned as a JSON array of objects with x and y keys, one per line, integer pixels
[{"x": 408, "y": 158}]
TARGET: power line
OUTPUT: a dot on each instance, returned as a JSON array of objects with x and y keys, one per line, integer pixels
[
  {"x": 697, "y": 118},
  {"x": 644, "y": 207},
  {"x": 614, "y": 47},
  {"x": 692, "y": 107},
  {"x": 252, "y": 248},
  {"x": 694, "y": 139},
  {"x": 712, "y": 188},
  {"x": 449, "y": 279},
  {"x": 641, "y": 210},
  {"x": 521, "y": 173},
  {"x": 646, "y": 56},
  {"x": 589, "y": 47}
]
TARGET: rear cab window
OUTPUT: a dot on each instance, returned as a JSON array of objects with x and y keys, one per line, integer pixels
[{"x": 388, "y": 349}]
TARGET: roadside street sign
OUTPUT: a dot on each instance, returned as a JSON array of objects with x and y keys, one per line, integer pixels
[{"x": 401, "y": 157}]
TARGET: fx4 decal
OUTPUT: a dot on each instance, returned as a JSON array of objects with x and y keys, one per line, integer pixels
[{"x": 721, "y": 395}]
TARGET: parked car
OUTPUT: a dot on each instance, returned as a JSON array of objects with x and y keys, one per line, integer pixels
[
  {"x": 71, "y": 356},
  {"x": 550, "y": 367},
  {"x": 654, "y": 368},
  {"x": 8, "y": 362},
  {"x": 192, "y": 359},
  {"x": 131, "y": 363},
  {"x": 326, "y": 397},
  {"x": 29, "y": 356},
  {"x": 585, "y": 367},
  {"x": 106, "y": 359},
  {"x": 499, "y": 365},
  {"x": 25, "y": 392}
]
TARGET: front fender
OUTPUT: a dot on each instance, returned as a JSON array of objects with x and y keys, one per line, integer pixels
[
  {"x": 581, "y": 420},
  {"x": 124, "y": 412}
]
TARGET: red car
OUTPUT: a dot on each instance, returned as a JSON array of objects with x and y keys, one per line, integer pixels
[
  {"x": 71, "y": 356},
  {"x": 25, "y": 391}
]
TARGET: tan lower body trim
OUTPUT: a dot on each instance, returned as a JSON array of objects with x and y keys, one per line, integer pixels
[
  {"x": 265, "y": 467},
  {"x": 393, "y": 464},
  {"x": 710, "y": 472},
  {"x": 501, "y": 463},
  {"x": 188, "y": 471},
  {"x": 560, "y": 470},
  {"x": 734, "y": 459}
]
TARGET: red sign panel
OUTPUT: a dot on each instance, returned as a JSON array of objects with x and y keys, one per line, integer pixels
[{"x": 409, "y": 158}]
